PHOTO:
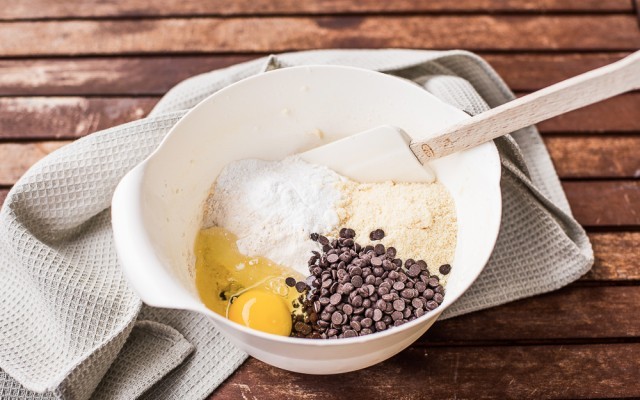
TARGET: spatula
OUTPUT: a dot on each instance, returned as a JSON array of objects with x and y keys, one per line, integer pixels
[{"x": 386, "y": 152}]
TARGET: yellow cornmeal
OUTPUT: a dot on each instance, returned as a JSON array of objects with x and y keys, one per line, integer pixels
[
  {"x": 222, "y": 272},
  {"x": 418, "y": 219}
]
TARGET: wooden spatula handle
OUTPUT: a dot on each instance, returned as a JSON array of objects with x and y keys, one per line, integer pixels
[{"x": 580, "y": 91}]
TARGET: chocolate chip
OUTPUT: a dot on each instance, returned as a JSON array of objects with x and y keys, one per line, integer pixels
[
  {"x": 376, "y": 261},
  {"x": 398, "y": 305},
  {"x": 388, "y": 297},
  {"x": 350, "y": 333},
  {"x": 416, "y": 303},
  {"x": 355, "y": 290},
  {"x": 291, "y": 282},
  {"x": 438, "y": 298},
  {"x": 391, "y": 252},
  {"x": 335, "y": 298},
  {"x": 409, "y": 293},
  {"x": 336, "y": 318},
  {"x": 301, "y": 287},
  {"x": 347, "y": 309},
  {"x": 414, "y": 270},
  {"x": 368, "y": 313},
  {"x": 378, "y": 234}
]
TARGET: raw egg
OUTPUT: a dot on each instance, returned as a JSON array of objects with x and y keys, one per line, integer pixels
[
  {"x": 261, "y": 310},
  {"x": 248, "y": 290}
]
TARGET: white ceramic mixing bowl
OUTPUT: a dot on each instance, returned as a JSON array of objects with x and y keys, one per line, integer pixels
[{"x": 157, "y": 208}]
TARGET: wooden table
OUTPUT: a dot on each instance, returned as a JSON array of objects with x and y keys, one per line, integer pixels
[{"x": 68, "y": 69}]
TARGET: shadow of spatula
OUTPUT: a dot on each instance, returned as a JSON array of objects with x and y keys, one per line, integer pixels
[{"x": 388, "y": 153}]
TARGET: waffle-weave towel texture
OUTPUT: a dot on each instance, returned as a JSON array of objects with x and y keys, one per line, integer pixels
[{"x": 71, "y": 328}]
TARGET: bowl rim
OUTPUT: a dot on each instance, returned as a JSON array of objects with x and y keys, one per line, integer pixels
[{"x": 195, "y": 303}]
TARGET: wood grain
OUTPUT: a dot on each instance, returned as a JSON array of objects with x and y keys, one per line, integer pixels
[
  {"x": 67, "y": 117},
  {"x": 154, "y": 75},
  {"x": 595, "y": 156},
  {"x": 604, "y": 203},
  {"x": 577, "y": 314},
  {"x": 216, "y": 35},
  {"x": 16, "y": 158},
  {"x": 563, "y": 371},
  {"x": 617, "y": 256},
  {"x": 26, "y": 9},
  {"x": 618, "y": 114},
  {"x": 104, "y": 76},
  {"x": 72, "y": 117}
]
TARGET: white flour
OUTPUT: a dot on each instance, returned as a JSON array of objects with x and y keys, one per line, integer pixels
[{"x": 273, "y": 207}]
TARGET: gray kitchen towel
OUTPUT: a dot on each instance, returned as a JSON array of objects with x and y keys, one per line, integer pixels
[{"x": 71, "y": 328}]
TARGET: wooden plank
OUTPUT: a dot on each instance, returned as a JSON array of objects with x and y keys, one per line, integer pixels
[
  {"x": 72, "y": 117},
  {"x": 604, "y": 203},
  {"x": 595, "y": 156},
  {"x": 215, "y": 35},
  {"x": 155, "y": 75},
  {"x": 529, "y": 72},
  {"x": 617, "y": 114},
  {"x": 16, "y": 158},
  {"x": 26, "y": 9},
  {"x": 563, "y": 371},
  {"x": 104, "y": 76},
  {"x": 617, "y": 256},
  {"x": 67, "y": 117},
  {"x": 577, "y": 314}
]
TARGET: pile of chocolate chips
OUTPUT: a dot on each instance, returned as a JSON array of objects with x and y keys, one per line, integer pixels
[{"x": 356, "y": 291}]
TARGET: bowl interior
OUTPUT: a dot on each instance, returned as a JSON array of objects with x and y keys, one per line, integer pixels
[{"x": 280, "y": 113}]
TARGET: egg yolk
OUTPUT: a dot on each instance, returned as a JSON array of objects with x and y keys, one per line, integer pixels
[{"x": 261, "y": 310}]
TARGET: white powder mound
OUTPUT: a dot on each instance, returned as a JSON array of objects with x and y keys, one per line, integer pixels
[{"x": 273, "y": 206}]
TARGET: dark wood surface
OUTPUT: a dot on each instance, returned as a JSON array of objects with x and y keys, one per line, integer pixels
[{"x": 70, "y": 68}]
